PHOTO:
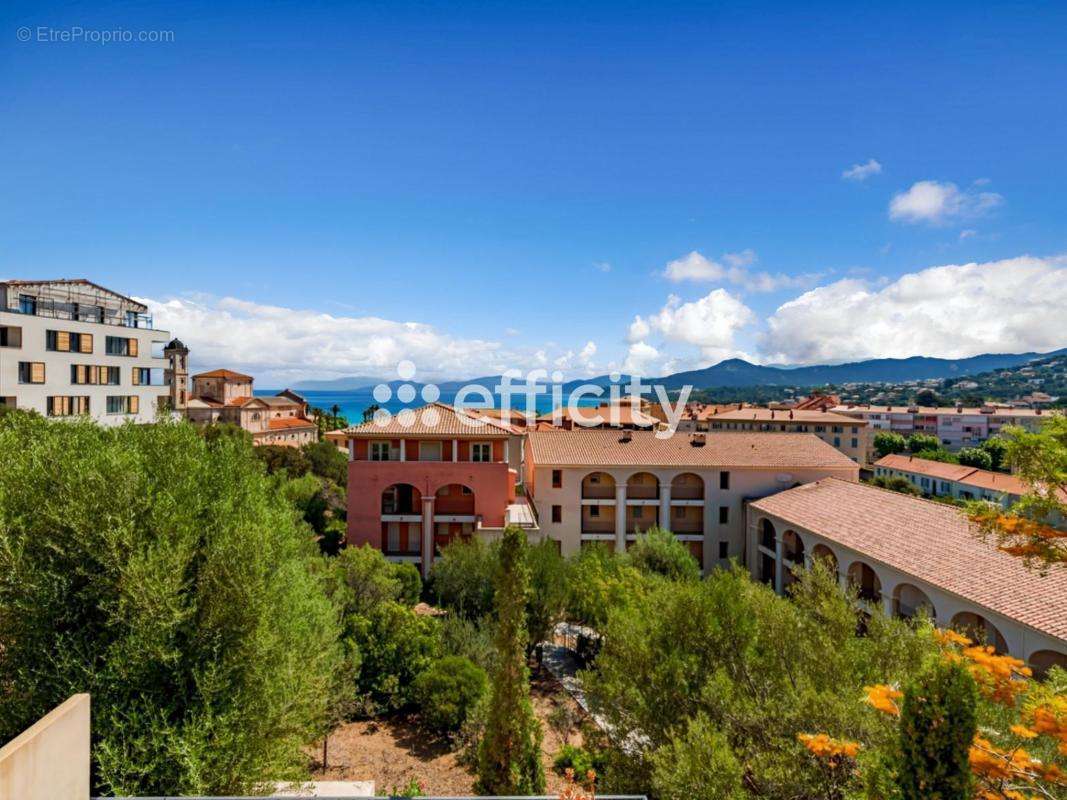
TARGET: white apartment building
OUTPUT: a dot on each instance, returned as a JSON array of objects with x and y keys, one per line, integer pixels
[
  {"x": 609, "y": 485},
  {"x": 903, "y": 553},
  {"x": 955, "y": 427},
  {"x": 71, "y": 347}
]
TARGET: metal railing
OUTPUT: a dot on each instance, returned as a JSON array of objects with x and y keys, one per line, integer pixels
[{"x": 43, "y": 309}]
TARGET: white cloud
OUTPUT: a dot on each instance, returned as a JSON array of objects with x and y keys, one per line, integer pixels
[
  {"x": 861, "y": 172},
  {"x": 603, "y": 266},
  {"x": 283, "y": 345},
  {"x": 951, "y": 311},
  {"x": 583, "y": 359},
  {"x": 638, "y": 330},
  {"x": 940, "y": 203},
  {"x": 968, "y": 233},
  {"x": 639, "y": 358},
  {"x": 697, "y": 267}
]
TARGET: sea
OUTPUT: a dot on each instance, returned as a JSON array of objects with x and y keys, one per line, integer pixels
[{"x": 354, "y": 403}]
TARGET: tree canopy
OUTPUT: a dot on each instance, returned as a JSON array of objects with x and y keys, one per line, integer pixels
[{"x": 158, "y": 570}]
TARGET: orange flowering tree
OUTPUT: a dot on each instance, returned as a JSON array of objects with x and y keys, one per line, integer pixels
[
  {"x": 1019, "y": 751},
  {"x": 1034, "y": 527}
]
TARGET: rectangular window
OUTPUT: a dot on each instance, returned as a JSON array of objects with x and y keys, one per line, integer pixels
[
  {"x": 429, "y": 451},
  {"x": 724, "y": 549},
  {"x": 557, "y": 479},
  {"x": 594, "y": 511},
  {"x": 67, "y": 406},
  {"x": 724, "y": 480},
  {"x": 120, "y": 346},
  {"x": 724, "y": 515},
  {"x": 638, "y": 512},
  {"x": 142, "y": 376},
  {"x": 482, "y": 452},
  {"x": 31, "y": 372},
  {"x": 379, "y": 451},
  {"x": 679, "y": 512},
  {"x": 557, "y": 514},
  {"x": 81, "y": 374},
  {"x": 10, "y": 336},
  {"x": 855, "y": 442},
  {"x": 123, "y": 404},
  {"x": 27, "y": 304}
]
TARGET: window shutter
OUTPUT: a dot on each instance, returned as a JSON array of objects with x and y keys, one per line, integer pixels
[
  {"x": 37, "y": 372},
  {"x": 136, "y": 376},
  {"x": 135, "y": 402},
  {"x": 133, "y": 347},
  {"x": 85, "y": 343},
  {"x": 63, "y": 341}
]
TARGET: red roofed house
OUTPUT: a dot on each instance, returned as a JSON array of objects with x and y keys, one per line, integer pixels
[
  {"x": 223, "y": 395},
  {"x": 908, "y": 553},
  {"x": 424, "y": 477}
]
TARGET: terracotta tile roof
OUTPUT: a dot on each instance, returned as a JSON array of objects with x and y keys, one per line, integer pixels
[
  {"x": 740, "y": 450},
  {"x": 238, "y": 401},
  {"x": 288, "y": 423},
  {"x": 930, "y": 541},
  {"x": 228, "y": 374},
  {"x": 786, "y": 415},
  {"x": 922, "y": 466},
  {"x": 612, "y": 414},
  {"x": 705, "y": 411},
  {"x": 436, "y": 420}
]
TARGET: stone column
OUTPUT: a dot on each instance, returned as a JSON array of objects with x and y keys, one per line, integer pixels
[
  {"x": 427, "y": 535},
  {"x": 779, "y": 564},
  {"x": 665, "y": 506},
  {"x": 620, "y": 518},
  {"x": 403, "y": 450}
]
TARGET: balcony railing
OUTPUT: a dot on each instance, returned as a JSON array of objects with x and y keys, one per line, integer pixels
[{"x": 44, "y": 309}]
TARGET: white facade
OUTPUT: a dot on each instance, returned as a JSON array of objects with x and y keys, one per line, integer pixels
[{"x": 59, "y": 359}]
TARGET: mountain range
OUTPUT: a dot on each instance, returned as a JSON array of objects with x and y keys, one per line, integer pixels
[{"x": 736, "y": 372}]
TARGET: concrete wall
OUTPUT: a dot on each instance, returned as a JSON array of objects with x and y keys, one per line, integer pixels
[
  {"x": 57, "y": 367},
  {"x": 50, "y": 760}
]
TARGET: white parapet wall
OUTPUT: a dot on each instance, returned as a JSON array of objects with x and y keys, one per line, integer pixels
[{"x": 49, "y": 760}]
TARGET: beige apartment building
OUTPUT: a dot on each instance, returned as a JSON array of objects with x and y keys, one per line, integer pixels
[
  {"x": 903, "y": 554},
  {"x": 848, "y": 434},
  {"x": 223, "y": 395},
  {"x": 70, "y": 347},
  {"x": 608, "y": 485}
]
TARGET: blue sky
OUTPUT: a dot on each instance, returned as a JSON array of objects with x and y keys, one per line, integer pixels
[{"x": 324, "y": 188}]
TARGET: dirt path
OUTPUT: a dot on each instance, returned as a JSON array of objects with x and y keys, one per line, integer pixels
[{"x": 393, "y": 751}]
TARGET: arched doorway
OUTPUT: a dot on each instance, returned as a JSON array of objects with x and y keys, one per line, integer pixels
[
  {"x": 792, "y": 557},
  {"x": 401, "y": 520},
  {"x": 909, "y": 601},
  {"x": 453, "y": 515},
  {"x": 597, "y": 517},
  {"x": 863, "y": 577},
  {"x": 824, "y": 555},
  {"x": 980, "y": 629},
  {"x": 641, "y": 516},
  {"x": 1041, "y": 661},
  {"x": 687, "y": 509},
  {"x": 598, "y": 486}
]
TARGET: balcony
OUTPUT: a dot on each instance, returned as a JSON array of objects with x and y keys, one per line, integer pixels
[{"x": 98, "y": 316}]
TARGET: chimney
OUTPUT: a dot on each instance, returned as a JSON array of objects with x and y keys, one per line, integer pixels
[
  {"x": 627, "y": 436},
  {"x": 698, "y": 440}
]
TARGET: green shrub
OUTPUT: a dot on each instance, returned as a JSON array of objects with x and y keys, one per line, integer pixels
[
  {"x": 937, "y": 725},
  {"x": 470, "y": 638},
  {"x": 658, "y": 552},
  {"x": 461, "y": 579},
  {"x": 410, "y": 582},
  {"x": 448, "y": 691},
  {"x": 326, "y": 461},
  {"x": 579, "y": 759}
]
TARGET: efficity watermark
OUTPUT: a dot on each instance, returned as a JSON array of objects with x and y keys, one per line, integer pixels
[
  {"x": 76, "y": 34},
  {"x": 586, "y": 405}
]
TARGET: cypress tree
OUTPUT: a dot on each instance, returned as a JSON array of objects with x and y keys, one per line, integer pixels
[
  {"x": 937, "y": 725},
  {"x": 509, "y": 758}
]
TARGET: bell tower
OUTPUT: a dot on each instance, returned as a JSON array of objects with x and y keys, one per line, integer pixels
[{"x": 176, "y": 375}]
